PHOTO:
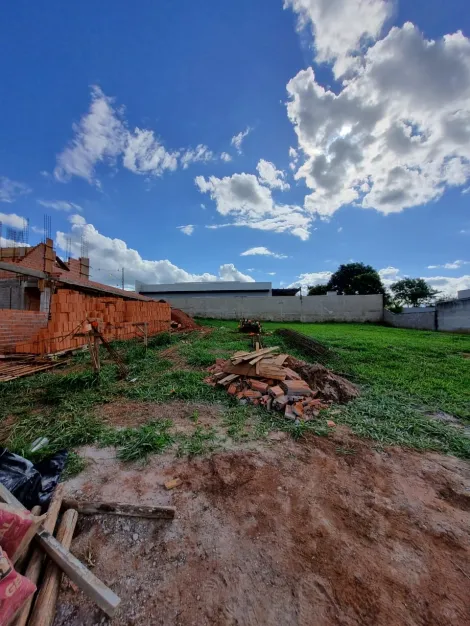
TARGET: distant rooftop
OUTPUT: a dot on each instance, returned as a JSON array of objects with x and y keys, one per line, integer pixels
[{"x": 212, "y": 287}]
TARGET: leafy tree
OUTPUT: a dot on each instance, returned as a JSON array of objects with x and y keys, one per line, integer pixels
[
  {"x": 413, "y": 291},
  {"x": 318, "y": 290},
  {"x": 356, "y": 278}
]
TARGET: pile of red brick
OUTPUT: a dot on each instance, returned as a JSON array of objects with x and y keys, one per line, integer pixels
[
  {"x": 19, "y": 326},
  {"x": 264, "y": 381},
  {"x": 71, "y": 311}
]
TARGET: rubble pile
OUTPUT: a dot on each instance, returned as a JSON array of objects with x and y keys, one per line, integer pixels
[{"x": 281, "y": 383}]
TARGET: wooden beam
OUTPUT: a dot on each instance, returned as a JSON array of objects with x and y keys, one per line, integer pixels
[
  {"x": 44, "y": 609},
  {"x": 106, "y": 599},
  {"x": 33, "y": 570},
  {"x": 126, "y": 510},
  {"x": 250, "y": 355}
]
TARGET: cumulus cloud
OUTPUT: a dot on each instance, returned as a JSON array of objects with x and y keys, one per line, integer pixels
[
  {"x": 225, "y": 156},
  {"x": 455, "y": 265},
  {"x": 397, "y": 134},
  {"x": 446, "y": 285},
  {"x": 252, "y": 205},
  {"x": 107, "y": 253},
  {"x": 102, "y": 136},
  {"x": 13, "y": 220},
  {"x": 341, "y": 28},
  {"x": 200, "y": 154},
  {"x": 10, "y": 190},
  {"x": 270, "y": 176},
  {"x": 262, "y": 251},
  {"x": 143, "y": 153},
  {"x": 60, "y": 205},
  {"x": 312, "y": 278},
  {"x": 237, "y": 140},
  {"x": 187, "y": 230}
]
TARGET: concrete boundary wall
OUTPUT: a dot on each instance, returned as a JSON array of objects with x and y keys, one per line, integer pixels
[
  {"x": 417, "y": 320},
  {"x": 285, "y": 309},
  {"x": 454, "y": 316}
]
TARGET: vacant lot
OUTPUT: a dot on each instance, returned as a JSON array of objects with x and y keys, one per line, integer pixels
[
  {"x": 276, "y": 522},
  {"x": 413, "y": 383}
]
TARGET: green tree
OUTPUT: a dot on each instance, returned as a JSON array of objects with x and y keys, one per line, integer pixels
[
  {"x": 413, "y": 291},
  {"x": 318, "y": 290},
  {"x": 356, "y": 278}
]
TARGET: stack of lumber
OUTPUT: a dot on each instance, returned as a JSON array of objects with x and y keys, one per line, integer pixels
[{"x": 261, "y": 378}]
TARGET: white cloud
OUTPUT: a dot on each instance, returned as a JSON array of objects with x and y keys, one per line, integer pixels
[
  {"x": 447, "y": 286},
  {"x": 60, "y": 205},
  {"x": 102, "y": 136},
  {"x": 294, "y": 156},
  {"x": 340, "y": 229},
  {"x": 270, "y": 176},
  {"x": 262, "y": 251},
  {"x": 455, "y": 265},
  {"x": 201, "y": 153},
  {"x": 10, "y": 190},
  {"x": 143, "y": 153},
  {"x": 99, "y": 136},
  {"x": 187, "y": 230},
  {"x": 466, "y": 190},
  {"x": 309, "y": 279},
  {"x": 341, "y": 27},
  {"x": 13, "y": 220},
  {"x": 225, "y": 156},
  {"x": 237, "y": 140},
  {"x": 108, "y": 254},
  {"x": 464, "y": 232},
  {"x": 398, "y": 132},
  {"x": 252, "y": 205},
  {"x": 271, "y": 273}
]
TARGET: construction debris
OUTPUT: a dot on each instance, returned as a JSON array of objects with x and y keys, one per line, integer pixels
[
  {"x": 10, "y": 369},
  {"x": 182, "y": 321},
  {"x": 280, "y": 383},
  {"x": 250, "y": 326}
]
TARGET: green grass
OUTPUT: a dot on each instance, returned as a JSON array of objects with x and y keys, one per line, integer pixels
[{"x": 403, "y": 375}]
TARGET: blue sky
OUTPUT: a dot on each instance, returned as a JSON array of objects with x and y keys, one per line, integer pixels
[{"x": 178, "y": 136}]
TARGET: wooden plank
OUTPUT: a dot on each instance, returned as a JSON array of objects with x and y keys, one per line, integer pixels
[
  {"x": 279, "y": 360},
  {"x": 246, "y": 369},
  {"x": 116, "y": 508},
  {"x": 106, "y": 599},
  {"x": 256, "y": 359},
  {"x": 44, "y": 609},
  {"x": 271, "y": 371},
  {"x": 228, "y": 379},
  {"x": 33, "y": 570},
  {"x": 251, "y": 354},
  {"x": 21, "y": 562}
]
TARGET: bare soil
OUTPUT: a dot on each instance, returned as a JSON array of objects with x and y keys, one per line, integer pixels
[
  {"x": 324, "y": 532},
  {"x": 125, "y": 413}
]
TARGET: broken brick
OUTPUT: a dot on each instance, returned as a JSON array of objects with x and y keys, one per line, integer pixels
[
  {"x": 280, "y": 402},
  {"x": 257, "y": 385},
  {"x": 249, "y": 393},
  {"x": 291, "y": 375},
  {"x": 232, "y": 390},
  {"x": 298, "y": 409},
  {"x": 276, "y": 391},
  {"x": 289, "y": 413},
  {"x": 295, "y": 388}
]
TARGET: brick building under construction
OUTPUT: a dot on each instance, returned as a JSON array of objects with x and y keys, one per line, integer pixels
[{"x": 46, "y": 304}]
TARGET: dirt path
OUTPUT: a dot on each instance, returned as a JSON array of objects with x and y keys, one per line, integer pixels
[{"x": 303, "y": 534}]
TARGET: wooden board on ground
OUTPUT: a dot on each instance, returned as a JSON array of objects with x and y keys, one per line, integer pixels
[
  {"x": 126, "y": 510},
  {"x": 279, "y": 360},
  {"x": 245, "y": 369},
  {"x": 228, "y": 379},
  {"x": 33, "y": 570},
  {"x": 44, "y": 609},
  {"x": 104, "y": 597},
  {"x": 250, "y": 355}
]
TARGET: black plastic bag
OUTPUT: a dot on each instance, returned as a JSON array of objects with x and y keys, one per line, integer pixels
[{"x": 30, "y": 483}]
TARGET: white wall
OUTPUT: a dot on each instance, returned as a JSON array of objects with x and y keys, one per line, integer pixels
[
  {"x": 414, "y": 318},
  {"x": 284, "y": 309},
  {"x": 454, "y": 315}
]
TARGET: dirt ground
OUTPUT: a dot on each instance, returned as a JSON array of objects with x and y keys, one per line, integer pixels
[{"x": 327, "y": 531}]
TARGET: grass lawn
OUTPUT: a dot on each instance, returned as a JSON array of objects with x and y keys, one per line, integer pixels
[{"x": 403, "y": 375}]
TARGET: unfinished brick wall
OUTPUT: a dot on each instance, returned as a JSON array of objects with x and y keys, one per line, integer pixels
[
  {"x": 19, "y": 326},
  {"x": 70, "y": 312}
]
